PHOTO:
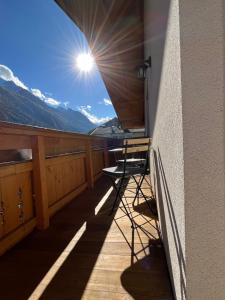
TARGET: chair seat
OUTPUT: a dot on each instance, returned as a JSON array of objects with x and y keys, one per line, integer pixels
[
  {"x": 134, "y": 161},
  {"x": 118, "y": 171}
]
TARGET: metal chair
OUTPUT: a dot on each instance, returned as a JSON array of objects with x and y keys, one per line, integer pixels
[{"x": 130, "y": 167}]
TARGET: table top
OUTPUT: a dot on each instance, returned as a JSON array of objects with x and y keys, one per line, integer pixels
[
  {"x": 132, "y": 160},
  {"x": 116, "y": 150}
]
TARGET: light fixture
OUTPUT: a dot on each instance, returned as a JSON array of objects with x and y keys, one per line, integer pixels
[{"x": 143, "y": 68}]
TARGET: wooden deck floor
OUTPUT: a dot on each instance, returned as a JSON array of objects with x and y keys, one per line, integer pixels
[{"x": 85, "y": 254}]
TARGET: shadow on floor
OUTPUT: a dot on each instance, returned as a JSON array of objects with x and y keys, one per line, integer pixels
[
  {"x": 147, "y": 276},
  {"x": 143, "y": 209},
  {"x": 23, "y": 267},
  {"x": 106, "y": 260},
  {"x": 152, "y": 274}
]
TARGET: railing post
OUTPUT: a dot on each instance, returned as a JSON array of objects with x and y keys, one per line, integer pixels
[
  {"x": 89, "y": 165},
  {"x": 40, "y": 183},
  {"x": 106, "y": 154}
]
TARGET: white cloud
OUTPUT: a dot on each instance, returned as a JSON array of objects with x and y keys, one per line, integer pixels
[
  {"x": 85, "y": 110},
  {"x": 7, "y": 74},
  {"x": 38, "y": 93},
  {"x": 52, "y": 101},
  {"x": 48, "y": 100},
  {"x": 65, "y": 104},
  {"x": 107, "y": 101}
]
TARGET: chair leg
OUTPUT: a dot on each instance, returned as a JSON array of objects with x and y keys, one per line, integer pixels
[
  {"x": 148, "y": 183},
  {"x": 128, "y": 213},
  {"x": 118, "y": 190},
  {"x": 139, "y": 184},
  {"x": 137, "y": 191},
  {"x": 138, "y": 187}
]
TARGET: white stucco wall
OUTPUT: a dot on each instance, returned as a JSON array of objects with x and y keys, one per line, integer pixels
[
  {"x": 203, "y": 98},
  {"x": 186, "y": 114},
  {"x": 162, "y": 36}
]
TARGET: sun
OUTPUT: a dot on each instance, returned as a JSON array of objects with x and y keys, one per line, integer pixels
[{"x": 85, "y": 62}]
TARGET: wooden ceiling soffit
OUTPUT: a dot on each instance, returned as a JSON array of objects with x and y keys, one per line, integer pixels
[{"x": 115, "y": 33}]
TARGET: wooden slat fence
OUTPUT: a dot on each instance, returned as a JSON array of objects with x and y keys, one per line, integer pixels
[{"x": 62, "y": 166}]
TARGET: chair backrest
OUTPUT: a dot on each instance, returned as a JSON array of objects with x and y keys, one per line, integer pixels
[{"x": 136, "y": 145}]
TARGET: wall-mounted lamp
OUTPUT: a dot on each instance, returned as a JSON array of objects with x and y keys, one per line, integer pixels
[{"x": 143, "y": 68}]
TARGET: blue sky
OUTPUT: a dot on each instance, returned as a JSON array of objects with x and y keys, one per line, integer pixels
[{"x": 39, "y": 44}]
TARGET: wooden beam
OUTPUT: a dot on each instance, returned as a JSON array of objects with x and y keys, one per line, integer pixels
[
  {"x": 8, "y": 128},
  {"x": 63, "y": 158},
  {"x": 40, "y": 182},
  {"x": 89, "y": 165},
  {"x": 106, "y": 154},
  {"x": 12, "y": 169},
  {"x": 65, "y": 200},
  {"x": 11, "y": 142},
  {"x": 14, "y": 237}
]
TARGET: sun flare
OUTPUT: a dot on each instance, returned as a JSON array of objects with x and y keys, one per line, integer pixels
[{"x": 85, "y": 62}]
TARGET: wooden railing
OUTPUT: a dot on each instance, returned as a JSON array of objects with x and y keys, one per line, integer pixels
[{"x": 62, "y": 166}]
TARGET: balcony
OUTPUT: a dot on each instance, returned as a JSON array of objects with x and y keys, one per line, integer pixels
[{"x": 84, "y": 252}]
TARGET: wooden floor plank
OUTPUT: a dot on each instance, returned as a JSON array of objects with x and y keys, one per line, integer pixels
[
  {"x": 117, "y": 262},
  {"x": 108, "y": 281},
  {"x": 118, "y": 248},
  {"x": 103, "y": 261},
  {"x": 102, "y": 295}
]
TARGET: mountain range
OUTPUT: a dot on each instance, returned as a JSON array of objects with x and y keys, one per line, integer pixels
[
  {"x": 18, "y": 105},
  {"x": 113, "y": 122}
]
